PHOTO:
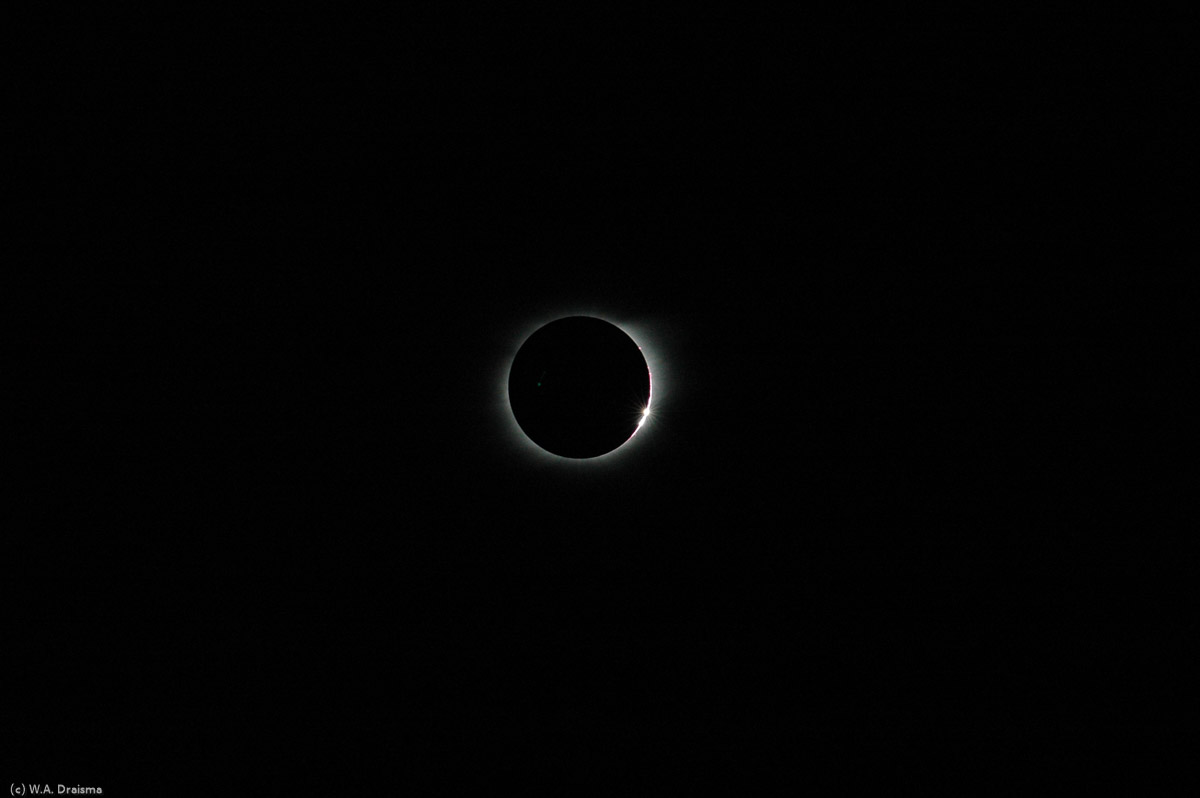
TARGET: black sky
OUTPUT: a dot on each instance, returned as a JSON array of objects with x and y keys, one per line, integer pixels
[{"x": 905, "y": 374}]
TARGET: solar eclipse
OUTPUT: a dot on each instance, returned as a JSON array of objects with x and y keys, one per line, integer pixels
[{"x": 579, "y": 387}]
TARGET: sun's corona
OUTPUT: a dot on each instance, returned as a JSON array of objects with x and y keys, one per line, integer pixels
[{"x": 569, "y": 394}]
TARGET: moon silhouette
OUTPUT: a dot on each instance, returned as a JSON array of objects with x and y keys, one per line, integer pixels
[{"x": 579, "y": 387}]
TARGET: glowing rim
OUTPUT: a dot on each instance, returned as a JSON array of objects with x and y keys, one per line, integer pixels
[{"x": 519, "y": 443}]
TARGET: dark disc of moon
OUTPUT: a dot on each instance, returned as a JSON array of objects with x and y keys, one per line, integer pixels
[{"x": 578, "y": 387}]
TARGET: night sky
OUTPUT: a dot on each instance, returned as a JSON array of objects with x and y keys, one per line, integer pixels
[{"x": 905, "y": 393}]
